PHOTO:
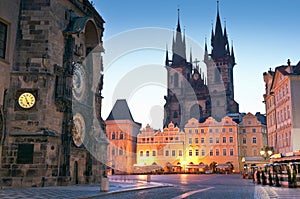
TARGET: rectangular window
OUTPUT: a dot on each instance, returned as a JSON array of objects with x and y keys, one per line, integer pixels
[
  {"x": 244, "y": 130},
  {"x": 121, "y": 136},
  {"x": 231, "y": 139},
  {"x": 190, "y": 140},
  {"x": 211, "y": 140},
  {"x": 224, "y": 139},
  {"x": 173, "y": 153},
  {"x": 153, "y": 153},
  {"x": 223, "y": 130},
  {"x": 3, "y": 39},
  {"x": 190, "y": 153},
  {"x": 253, "y": 130},
  {"x": 197, "y": 152},
  {"x": 113, "y": 152},
  {"x": 179, "y": 152},
  {"x": 211, "y": 152},
  {"x": 196, "y": 131},
  {"x": 202, "y": 140},
  {"x": 196, "y": 141},
  {"x": 217, "y": 140},
  {"x": 141, "y": 153},
  {"x": 190, "y": 131},
  {"x": 167, "y": 153},
  {"x": 231, "y": 152},
  {"x": 25, "y": 154},
  {"x": 224, "y": 152},
  {"x": 202, "y": 130},
  {"x": 202, "y": 152},
  {"x": 210, "y": 130},
  {"x": 254, "y": 140},
  {"x": 217, "y": 130},
  {"x": 244, "y": 140},
  {"x": 147, "y": 153},
  {"x": 217, "y": 152},
  {"x": 230, "y": 130}
]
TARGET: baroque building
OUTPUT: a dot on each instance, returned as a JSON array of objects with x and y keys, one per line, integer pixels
[
  {"x": 189, "y": 95},
  {"x": 122, "y": 133},
  {"x": 51, "y": 129},
  {"x": 282, "y": 102}
]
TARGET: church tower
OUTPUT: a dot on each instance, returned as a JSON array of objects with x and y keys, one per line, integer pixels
[
  {"x": 220, "y": 64},
  {"x": 187, "y": 94}
]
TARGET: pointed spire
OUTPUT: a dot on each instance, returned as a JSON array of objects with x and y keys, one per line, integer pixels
[
  {"x": 205, "y": 51},
  {"x": 232, "y": 54},
  {"x": 178, "y": 22},
  {"x": 212, "y": 35},
  {"x": 167, "y": 56}
]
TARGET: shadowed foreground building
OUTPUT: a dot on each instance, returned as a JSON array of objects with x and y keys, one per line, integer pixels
[{"x": 51, "y": 129}]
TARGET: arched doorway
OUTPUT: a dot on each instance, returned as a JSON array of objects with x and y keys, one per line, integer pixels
[{"x": 76, "y": 172}]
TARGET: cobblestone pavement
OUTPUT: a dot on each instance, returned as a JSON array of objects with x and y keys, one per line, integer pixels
[{"x": 77, "y": 191}]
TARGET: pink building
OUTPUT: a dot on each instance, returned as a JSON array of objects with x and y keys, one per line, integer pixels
[{"x": 282, "y": 99}]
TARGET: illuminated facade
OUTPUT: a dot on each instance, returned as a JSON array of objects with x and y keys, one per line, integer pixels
[
  {"x": 122, "y": 132},
  {"x": 165, "y": 149},
  {"x": 282, "y": 100}
]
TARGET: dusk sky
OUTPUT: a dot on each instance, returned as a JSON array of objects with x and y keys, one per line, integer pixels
[{"x": 265, "y": 33}]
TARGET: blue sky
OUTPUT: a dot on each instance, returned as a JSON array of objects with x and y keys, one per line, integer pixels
[{"x": 265, "y": 34}]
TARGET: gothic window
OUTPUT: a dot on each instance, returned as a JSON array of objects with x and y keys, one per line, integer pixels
[
  {"x": 175, "y": 80},
  {"x": 3, "y": 35},
  {"x": 25, "y": 154},
  {"x": 217, "y": 75}
]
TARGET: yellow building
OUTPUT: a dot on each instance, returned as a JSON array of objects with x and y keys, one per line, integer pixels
[{"x": 160, "y": 149}]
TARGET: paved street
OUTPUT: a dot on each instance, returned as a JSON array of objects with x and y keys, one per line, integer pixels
[{"x": 161, "y": 186}]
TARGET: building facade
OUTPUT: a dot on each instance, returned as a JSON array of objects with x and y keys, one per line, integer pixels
[
  {"x": 282, "y": 102},
  {"x": 51, "y": 60},
  {"x": 122, "y": 133},
  {"x": 189, "y": 95}
]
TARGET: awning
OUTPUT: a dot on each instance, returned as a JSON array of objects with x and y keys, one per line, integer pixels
[{"x": 222, "y": 166}]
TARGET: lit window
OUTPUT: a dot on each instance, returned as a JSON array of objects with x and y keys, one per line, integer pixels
[
  {"x": 197, "y": 152},
  {"x": 3, "y": 39}
]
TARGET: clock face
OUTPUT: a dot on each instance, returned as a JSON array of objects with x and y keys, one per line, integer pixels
[
  {"x": 26, "y": 100},
  {"x": 78, "y": 131},
  {"x": 79, "y": 79}
]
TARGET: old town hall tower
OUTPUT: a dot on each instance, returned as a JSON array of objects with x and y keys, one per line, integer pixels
[{"x": 189, "y": 94}]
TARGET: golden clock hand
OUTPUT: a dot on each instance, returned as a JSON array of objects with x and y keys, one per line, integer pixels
[{"x": 26, "y": 100}]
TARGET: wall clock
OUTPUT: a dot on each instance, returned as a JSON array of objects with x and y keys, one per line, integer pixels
[
  {"x": 78, "y": 131},
  {"x": 26, "y": 100}
]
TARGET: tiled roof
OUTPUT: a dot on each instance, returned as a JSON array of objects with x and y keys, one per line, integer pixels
[{"x": 120, "y": 111}]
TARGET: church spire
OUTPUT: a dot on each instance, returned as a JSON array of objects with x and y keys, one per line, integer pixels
[
  {"x": 232, "y": 54},
  {"x": 191, "y": 56},
  {"x": 178, "y": 23},
  {"x": 167, "y": 56},
  {"x": 205, "y": 51},
  {"x": 218, "y": 40}
]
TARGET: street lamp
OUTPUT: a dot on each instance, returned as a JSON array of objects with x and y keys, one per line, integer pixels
[{"x": 266, "y": 152}]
